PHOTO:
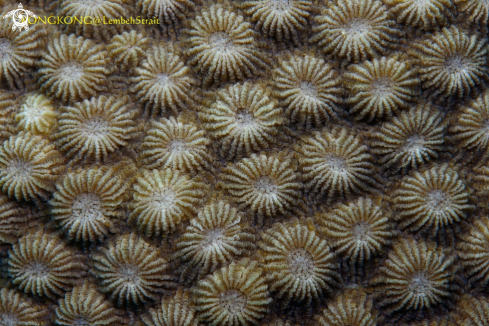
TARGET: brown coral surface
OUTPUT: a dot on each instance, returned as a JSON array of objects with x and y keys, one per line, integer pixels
[{"x": 244, "y": 162}]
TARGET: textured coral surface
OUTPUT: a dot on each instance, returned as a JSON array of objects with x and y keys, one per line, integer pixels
[{"x": 244, "y": 162}]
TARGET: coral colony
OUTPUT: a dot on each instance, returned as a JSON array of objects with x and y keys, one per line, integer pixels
[{"x": 244, "y": 162}]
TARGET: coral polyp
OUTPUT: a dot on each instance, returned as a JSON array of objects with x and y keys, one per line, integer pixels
[
  {"x": 431, "y": 198},
  {"x": 89, "y": 11},
  {"x": 471, "y": 311},
  {"x": 411, "y": 139},
  {"x": 42, "y": 265},
  {"x": 451, "y": 62},
  {"x": 358, "y": 231},
  {"x": 131, "y": 270},
  {"x": 162, "y": 199},
  {"x": 17, "y": 310},
  {"x": 175, "y": 311},
  {"x": 128, "y": 49},
  {"x": 29, "y": 167},
  {"x": 283, "y": 20},
  {"x": 217, "y": 235},
  {"x": 85, "y": 305},
  {"x": 235, "y": 295},
  {"x": 9, "y": 106},
  {"x": 381, "y": 87},
  {"x": 470, "y": 125},
  {"x": 356, "y": 30},
  {"x": 87, "y": 201},
  {"x": 352, "y": 307},
  {"x": 37, "y": 114},
  {"x": 299, "y": 264},
  {"x": 73, "y": 69},
  {"x": 477, "y": 11},
  {"x": 426, "y": 15},
  {"x": 19, "y": 52},
  {"x": 91, "y": 130},
  {"x": 309, "y": 88},
  {"x": 474, "y": 253},
  {"x": 172, "y": 143},
  {"x": 222, "y": 46},
  {"x": 416, "y": 276},
  {"x": 15, "y": 220},
  {"x": 243, "y": 118},
  {"x": 169, "y": 12},
  {"x": 335, "y": 164},
  {"x": 266, "y": 184},
  {"x": 162, "y": 82}
]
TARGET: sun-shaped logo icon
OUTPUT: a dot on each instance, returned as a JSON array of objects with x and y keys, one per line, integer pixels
[{"x": 20, "y": 17}]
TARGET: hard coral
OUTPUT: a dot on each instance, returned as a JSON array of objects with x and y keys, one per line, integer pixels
[
  {"x": 425, "y": 15},
  {"x": 356, "y": 30},
  {"x": 235, "y": 295},
  {"x": 90, "y": 130},
  {"x": 86, "y": 306},
  {"x": 131, "y": 270},
  {"x": 172, "y": 143},
  {"x": 309, "y": 88},
  {"x": 416, "y": 276},
  {"x": 162, "y": 82},
  {"x": 29, "y": 167},
  {"x": 169, "y": 12},
  {"x": 42, "y": 265},
  {"x": 128, "y": 49},
  {"x": 411, "y": 139},
  {"x": 243, "y": 118},
  {"x": 73, "y": 68},
  {"x": 431, "y": 199},
  {"x": 223, "y": 47},
  {"x": 474, "y": 253},
  {"x": 381, "y": 87},
  {"x": 86, "y": 202},
  {"x": 352, "y": 307},
  {"x": 476, "y": 10},
  {"x": 37, "y": 114},
  {"x": 283, "y": 20},
  {"x": 469, "y": 126},
  {"x": 19, "y": 51},
  {"x": 266, "y": 184},
  {"x": 471, "y": 311},
  {"x": 359, "y": 230},
  {"x": 299, "y": 263},
  {"x": 88, "y": 11},
  {"x": 15, "y": 220},
  {"x": 175, "y": 311},
  {"x": 163, "y": 199},
  {"x": 16, "y": 310},
  {"x": 215, "y": 237},
  {"x": 335, "y": 163},
  {"x": 451, "y": 62},
  {"x": 9, "y": 106}
]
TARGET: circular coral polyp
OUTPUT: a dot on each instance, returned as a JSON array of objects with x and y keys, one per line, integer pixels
[
  {"x": 131, "y": 270},
  {"x": 266, "y": 184},
  {"x": 300, "y": 263},
  {"x": 422, "y": 279},
  {"x": 309, "y": 88},
  {"x": 162, "y": 199},
  {"x": 233, "y": 295},
  {"x": 356, "y": 30},
  {"x": 451, "y": 62},
  {"x": 358, "y": 231},
  {"x": 87, "y": 200},
  {"x": 223, "y": 47}
]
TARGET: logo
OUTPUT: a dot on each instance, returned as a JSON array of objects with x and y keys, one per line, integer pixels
[{"x": 20, "y": 18}]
